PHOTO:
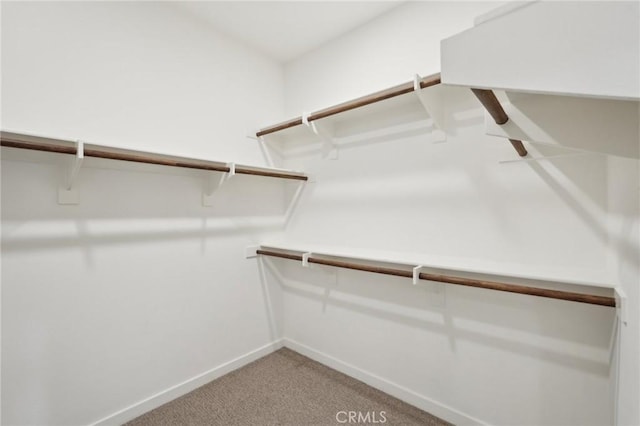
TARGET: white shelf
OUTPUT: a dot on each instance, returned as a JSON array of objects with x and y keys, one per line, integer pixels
[
  {"x": 534, "y": 49},
  {"x": 548, "y": 274},
  {"x": 12, "y": 139},
  {"x": 415, "y": 99}
]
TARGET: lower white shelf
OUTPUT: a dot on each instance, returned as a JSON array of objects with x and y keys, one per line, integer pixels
[{"x": 433, "y": 272}]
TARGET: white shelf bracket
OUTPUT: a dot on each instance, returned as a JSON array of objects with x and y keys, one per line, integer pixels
[
  {"x": 264, "y": 149},
  {"x": 295, "y": 199},
  {"x": 251, "y": 252},
  {"x": 325, "y": 133},
  {"x": 212, "y": 184},
  {"x": 67, "y": 194},
  {"x": 305, "y": 259},
  {"x": 75, "y": 165},
  {"x": 433, "y": 105},
  {"x": 416, "y": 274},
  {"x": 621, "y": 305}
]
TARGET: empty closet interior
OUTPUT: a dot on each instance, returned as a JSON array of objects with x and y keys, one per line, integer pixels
[{"x": 438, "y": 199}]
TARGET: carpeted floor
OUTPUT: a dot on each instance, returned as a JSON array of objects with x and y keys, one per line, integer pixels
[{"x": 286, "y": 388}]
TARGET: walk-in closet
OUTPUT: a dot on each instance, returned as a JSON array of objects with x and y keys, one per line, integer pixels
[{"x": 320, "y": 213}]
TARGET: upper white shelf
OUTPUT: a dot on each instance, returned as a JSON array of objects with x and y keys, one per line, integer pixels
[
  {"x": 382, "y": 109},
  {"x": 392, "y": 94},
  {"x": 565, "y": 48}
]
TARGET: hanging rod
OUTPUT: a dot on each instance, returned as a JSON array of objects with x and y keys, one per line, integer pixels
[
  {"x": 488, "y": 99},
  {"x": 469, "y": 282},
  {"x": 392, "y": 92},
  {"x": 144, "y": 157}
]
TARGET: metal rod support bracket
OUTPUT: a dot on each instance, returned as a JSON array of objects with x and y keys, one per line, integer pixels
[
  {"x": 432, "y": 104},
  {"x": 325, "y": 133},
  {"x": 264, "y": 149},
  {"x": 75, "y": 165},
  {"x": 493, "y": 107},
  {"x": 251, "y": 252},
  {"x": 416, "y": 274},
  {"x": 212, "y": 184},
  {"x": 67, "y": 194},
  {"x": 305, "y": 259},
  {"x": 621, "y": 305}
]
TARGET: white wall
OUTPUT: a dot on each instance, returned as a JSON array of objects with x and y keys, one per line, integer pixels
[
  {"x": 138, "y": 288},
  {"x": 389, "y": 50},
  {"x": 624, "y": 208},
  {"x": 483, "y": 356},
  {"x": 137, "y": 75}
]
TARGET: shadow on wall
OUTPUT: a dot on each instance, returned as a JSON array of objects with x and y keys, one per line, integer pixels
[
  {"x": 552, "y": 331},
  {"x": 461, "y": 186},
  {"x": 577, "y": 135},
  {"x": 602, "y": 126},
  {"x": 271, "y": 294},
  {"x": 580, "y": 182},
  {"x": 592, "y": 200},
  {"x": 579, "y": 178}
]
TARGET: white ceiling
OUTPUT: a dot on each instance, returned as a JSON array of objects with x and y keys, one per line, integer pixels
[{"x": 285, "y": 29}]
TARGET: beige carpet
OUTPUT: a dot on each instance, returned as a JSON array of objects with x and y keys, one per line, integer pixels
[{"x": 286, "y": 388}]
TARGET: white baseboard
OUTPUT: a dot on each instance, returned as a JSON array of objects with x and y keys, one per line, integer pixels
[
  {"x": 437, "y": 409},
  {"x": 434, "y": 407},
  {"x": 154, "y": 401}
]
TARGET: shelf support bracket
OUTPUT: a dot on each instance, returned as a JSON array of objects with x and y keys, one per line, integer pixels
[
  {"x": 325, "y": 133},
  {"x": 264, "y": 147},
  {"x": 212, "y": 184},
  {"x": 305, "y": 259},
  {"x": 251, "y": 252},
  {"x": 67, "y": 194},
  {"x": 294, "y": 201},
  {"x": 416, "y": 274},
  {"x": 433, "y": 106},
  {"x": 265, "y": 151},
  {"x": 490, "y": 102},
  {"x": 621, "y": 305}
]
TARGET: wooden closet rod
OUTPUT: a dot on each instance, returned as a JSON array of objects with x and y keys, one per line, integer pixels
[
  {"x": 491, "y": 285},
  {"x": 401, "y": 89},
  {"x": 144, "y": 158},
  {"x": 488, "y": 99}
]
